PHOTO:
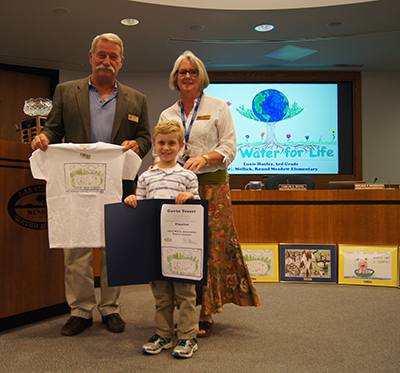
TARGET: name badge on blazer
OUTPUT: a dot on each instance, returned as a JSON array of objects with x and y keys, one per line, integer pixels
[
  {"x": 203, "y": 117},
  {"x": 133, "y": 118}
]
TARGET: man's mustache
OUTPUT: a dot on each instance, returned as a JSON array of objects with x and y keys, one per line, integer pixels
[{"x": 105, "y": 67}]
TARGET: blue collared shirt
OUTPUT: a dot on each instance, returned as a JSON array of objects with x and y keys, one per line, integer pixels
[{"x": 101, "y": 114}]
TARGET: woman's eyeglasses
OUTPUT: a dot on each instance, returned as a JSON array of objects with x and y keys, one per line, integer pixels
[{"x": 193, "y": 73}]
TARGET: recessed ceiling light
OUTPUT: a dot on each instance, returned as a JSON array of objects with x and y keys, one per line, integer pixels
[
  {"x": 264, "y": 28},
  {"x": 129, "y": 21},
  {"x": 335, "y": 24},
  {"x": 60, "y": 11},
  {"x": 196, "y": 27}
]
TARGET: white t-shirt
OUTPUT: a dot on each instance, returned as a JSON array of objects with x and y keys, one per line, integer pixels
[{"x": 81, "y": 179}]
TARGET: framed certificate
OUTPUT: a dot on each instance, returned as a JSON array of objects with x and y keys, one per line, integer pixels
[
  {"x": 308, "y": 263},
  {"x": 368, "y": 265},
  {"x": 262, "y": 260}
]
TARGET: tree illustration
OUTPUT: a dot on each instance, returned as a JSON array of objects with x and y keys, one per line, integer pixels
[{"x": 271, "y": 107}]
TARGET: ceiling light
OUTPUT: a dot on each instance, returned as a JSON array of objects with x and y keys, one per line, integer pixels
[
  {"x": 60, "y": 11},
  {"x": 264, "y": 28},
  {"x": 335, "y": 24},
  {"x": 196, "y": 27},
  {"x": 129, "y": 21},
  {"x": 291, "y": 53}
]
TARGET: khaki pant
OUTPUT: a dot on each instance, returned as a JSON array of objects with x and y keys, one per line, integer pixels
[
  {"x": 165, "y": 294},
  {"x": 79, "y": 284}
]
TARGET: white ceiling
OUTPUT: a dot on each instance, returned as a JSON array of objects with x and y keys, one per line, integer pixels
[
  {"x": 34, "y": 33},
  {"x": 254, "y": 4}
]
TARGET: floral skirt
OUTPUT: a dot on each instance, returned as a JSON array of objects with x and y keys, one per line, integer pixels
[{"x": 228, "y": 278}]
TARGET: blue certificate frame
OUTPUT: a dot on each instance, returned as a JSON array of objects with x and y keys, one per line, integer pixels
[{"x": 133, "y": 242}]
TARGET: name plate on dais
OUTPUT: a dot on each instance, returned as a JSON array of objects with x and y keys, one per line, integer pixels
[
  {"x": 292, "y": 186},
  {"x": 369, "y": 186}
]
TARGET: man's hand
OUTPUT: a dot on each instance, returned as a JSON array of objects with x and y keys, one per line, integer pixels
[
  {"x": 132, "y": 144},
  {"x": 40, "y": 142}
]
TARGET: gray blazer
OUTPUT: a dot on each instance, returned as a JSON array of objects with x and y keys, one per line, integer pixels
[{"x": 70, "y": 116}]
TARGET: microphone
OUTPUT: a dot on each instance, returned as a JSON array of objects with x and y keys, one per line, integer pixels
[{"x": 375, "y": 180}]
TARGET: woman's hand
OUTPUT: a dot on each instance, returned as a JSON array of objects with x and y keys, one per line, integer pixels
[{"x": 194, "y": 164}]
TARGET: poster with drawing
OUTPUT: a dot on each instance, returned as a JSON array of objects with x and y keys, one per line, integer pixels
[
  {"x": 308, "y": 263},
  {"x": 368, "y": 265},
  {"x": 182, "y": 241},
  {"x": 262, "y": 261}
]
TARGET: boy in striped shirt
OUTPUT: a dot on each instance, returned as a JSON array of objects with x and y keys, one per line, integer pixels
[{"x": 168, "y": 180}]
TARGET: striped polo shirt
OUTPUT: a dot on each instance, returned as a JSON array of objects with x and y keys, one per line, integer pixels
[{"x": 166, "y": 183}]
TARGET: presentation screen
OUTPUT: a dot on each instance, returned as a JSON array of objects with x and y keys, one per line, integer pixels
[{"x": 300, "y": 128}]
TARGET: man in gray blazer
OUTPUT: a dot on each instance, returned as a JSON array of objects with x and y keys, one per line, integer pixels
[{"x": 97, "y": 108}]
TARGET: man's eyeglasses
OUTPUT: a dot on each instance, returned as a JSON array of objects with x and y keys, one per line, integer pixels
[{"x": 193, "y": 73}]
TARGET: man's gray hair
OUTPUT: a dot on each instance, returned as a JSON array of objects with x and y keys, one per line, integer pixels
[{"x": 108, "y": 37}]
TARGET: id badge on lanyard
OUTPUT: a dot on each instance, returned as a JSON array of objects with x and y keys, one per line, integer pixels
[{"x": 182, "y": 159}]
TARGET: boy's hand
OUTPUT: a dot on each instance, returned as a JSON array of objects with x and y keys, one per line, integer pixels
[
  {"x": 131, "y": 200},
  {"x": 182, "y": 197}
]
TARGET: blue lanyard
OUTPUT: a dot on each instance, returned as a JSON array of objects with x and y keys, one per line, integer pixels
[{"x": 189, "y": 129}]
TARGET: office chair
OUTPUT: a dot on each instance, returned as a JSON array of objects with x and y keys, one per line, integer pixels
[{"x": 273, "y": 182}]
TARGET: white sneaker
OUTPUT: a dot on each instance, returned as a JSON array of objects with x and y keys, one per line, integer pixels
[
  {"x": 156, "y": 344},
  {"x": 185, "y": 348}
]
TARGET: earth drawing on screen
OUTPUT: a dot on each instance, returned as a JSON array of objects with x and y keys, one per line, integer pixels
[{"x": 271, "y": 106}]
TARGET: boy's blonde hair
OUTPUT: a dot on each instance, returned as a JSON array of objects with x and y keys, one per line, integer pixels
[{"x": 168, "y": 126}]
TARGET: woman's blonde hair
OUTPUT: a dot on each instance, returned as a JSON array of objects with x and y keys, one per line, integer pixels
[
  {"x": 203, "y": 81},
  {"x": 168, "y": 126}
]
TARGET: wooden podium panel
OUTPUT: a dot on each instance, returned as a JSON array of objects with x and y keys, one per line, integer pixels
[
  {"x": 318, "y": 216},
  {"x": 367, "y": 224},
  {"x": 32, "y": 275},
  {"x": 294, "y": 223},
  {"x": 245, "y": 218}
]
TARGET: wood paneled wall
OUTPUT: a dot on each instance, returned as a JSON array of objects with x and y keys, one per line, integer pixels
[
  {"x": 31, "y": 275},
  {"x": 19, "y": 84},
  {"x": 366, "y": 217}
]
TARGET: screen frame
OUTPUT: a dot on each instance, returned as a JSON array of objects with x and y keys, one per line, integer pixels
[{"x": 354, "y": 77}]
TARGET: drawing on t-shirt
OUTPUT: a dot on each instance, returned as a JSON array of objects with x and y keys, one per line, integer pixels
[{"x": 86, "y": 177}]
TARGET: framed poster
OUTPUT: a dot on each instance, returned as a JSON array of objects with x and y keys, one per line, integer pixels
[
  {"x": 262, "y": 260},
  {"x": 308, "y": 263},
  {"x": 368, "y": 265}
]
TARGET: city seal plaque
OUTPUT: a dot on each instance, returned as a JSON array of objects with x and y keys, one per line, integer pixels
[{"x": 27, "y": 207}]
